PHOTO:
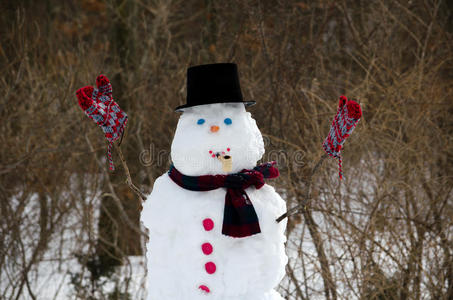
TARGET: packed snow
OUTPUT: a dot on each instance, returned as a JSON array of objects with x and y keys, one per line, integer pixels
[{"x": 188, "y": 258}]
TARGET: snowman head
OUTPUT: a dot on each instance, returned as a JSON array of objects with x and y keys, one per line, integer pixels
[{"x": 206, "y": 133}]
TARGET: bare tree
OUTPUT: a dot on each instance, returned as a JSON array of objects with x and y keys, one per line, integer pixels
[{"x": 385, "y": 232}]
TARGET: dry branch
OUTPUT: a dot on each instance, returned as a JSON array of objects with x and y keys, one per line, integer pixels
[
  {"x": 307, "y": 196},
  {"x": 135, "y": 189}
]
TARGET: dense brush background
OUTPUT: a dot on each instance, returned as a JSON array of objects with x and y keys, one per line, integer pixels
[{"x": 69, "y": 226}]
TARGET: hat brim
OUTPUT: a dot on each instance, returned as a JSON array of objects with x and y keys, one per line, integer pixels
[{"x": 181, "y": 108}]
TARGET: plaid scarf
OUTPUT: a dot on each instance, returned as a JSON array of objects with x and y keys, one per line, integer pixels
[{"x": 239, "y": 216}]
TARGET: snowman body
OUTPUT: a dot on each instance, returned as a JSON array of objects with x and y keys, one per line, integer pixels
[{"x": 188, "y": 257}]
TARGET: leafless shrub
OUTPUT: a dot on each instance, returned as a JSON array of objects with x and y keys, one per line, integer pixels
[{"x": 385, "y": 232}]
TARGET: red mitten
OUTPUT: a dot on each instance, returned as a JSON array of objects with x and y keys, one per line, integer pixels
[
  {"x": 98, "y": 105},
  {"x": 346, "y": 119}
]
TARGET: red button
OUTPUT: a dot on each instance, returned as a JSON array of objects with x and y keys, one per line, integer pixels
[
  {"x": 204, "y": 288},
  {"x": 210, "y": 267},
  {"x": 207, "y": 248},
  {"x": 208, "y": 224}
]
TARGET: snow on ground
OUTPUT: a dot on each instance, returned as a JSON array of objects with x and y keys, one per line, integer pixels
[{"x": 51, "y": 280}]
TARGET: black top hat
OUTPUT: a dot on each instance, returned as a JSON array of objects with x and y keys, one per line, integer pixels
[{"x": 213, "y": 83}]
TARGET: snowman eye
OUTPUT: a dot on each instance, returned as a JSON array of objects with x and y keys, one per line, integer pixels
[
  {"x": 227, "y": 121},
  {"x": 200, "y": 121}
]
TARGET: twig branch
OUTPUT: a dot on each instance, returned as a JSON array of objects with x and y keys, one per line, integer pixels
[
  {"x": 135, "y": 189},
  {"x": 329, "y": 284},
  {"x": 307, "y": 196},
  {"x": 113, "y": 195},
  {"x": 291, "y": 274}
]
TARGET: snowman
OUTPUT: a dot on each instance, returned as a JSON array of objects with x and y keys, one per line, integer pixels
[{"x": 211, "y": 217}]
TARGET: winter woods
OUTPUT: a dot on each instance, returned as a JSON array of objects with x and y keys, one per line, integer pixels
[{"x": 69, "y": 227}]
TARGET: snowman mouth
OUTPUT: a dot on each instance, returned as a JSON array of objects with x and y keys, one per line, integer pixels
[
  {"x": 217, "y": 154},
  {"x": 224, "y": 157}
]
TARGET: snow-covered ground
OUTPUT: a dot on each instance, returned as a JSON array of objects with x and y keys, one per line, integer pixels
[
  {"x": 50, "y": 278},
  {"x": 52, "y": 281}
]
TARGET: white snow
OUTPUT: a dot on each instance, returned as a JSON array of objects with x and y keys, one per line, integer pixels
[
  {"x": 246, "y": 268},
  {"x": 192, "y": 142},
  {"x": 50, "y": 278}
]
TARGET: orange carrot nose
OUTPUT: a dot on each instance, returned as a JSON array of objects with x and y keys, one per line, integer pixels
[{"x": 215, "y": 128}]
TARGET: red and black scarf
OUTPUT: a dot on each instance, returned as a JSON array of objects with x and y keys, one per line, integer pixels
[{"x": 239, "y": 216}]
